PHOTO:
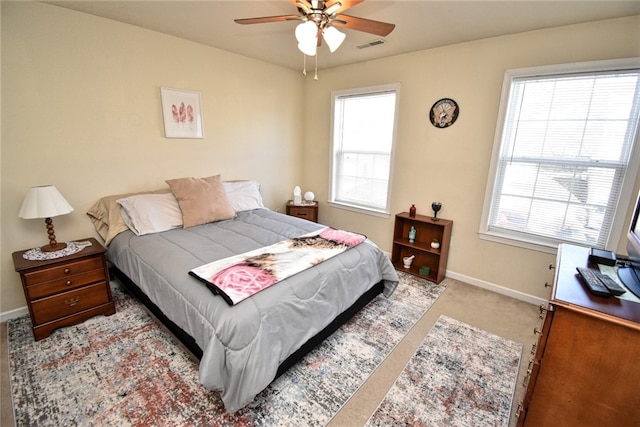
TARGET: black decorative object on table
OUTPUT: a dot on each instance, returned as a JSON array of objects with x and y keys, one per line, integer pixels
[{"x": 436, "y": 206}]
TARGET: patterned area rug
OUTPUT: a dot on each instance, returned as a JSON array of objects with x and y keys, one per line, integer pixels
[
  {"x": 459, "y": 376},
  {"x": 125, "y": 370}
]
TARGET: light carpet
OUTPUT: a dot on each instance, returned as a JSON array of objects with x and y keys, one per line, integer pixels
[
  {"x": 127, "y": 370},
  {"x": 459, "y": 376}
]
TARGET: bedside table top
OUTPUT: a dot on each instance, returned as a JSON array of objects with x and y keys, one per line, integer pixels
[
  {"x": 21, "y": 264},
  {"x": 303, "y": 205}
]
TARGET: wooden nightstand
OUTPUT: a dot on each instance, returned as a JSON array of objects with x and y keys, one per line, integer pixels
[
  {"x": 67, "y": 290},
  {"x": 309, "y": 211}
]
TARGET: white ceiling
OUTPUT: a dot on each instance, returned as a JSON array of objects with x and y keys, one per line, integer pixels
[{"x": 419, "y": 24}]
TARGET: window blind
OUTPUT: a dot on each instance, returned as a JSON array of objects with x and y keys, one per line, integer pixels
[
  {"x": 363, "y": 136},
  {"x": 565, "y": 150}
]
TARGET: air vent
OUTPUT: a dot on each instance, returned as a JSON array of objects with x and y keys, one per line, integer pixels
[{"x": 371, "y": 43}]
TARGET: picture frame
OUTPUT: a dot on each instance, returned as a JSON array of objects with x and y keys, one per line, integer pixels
[{"x": 181, "y": 113}]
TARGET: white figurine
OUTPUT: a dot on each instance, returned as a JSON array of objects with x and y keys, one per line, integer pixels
[{"x": 297, "y": 196}]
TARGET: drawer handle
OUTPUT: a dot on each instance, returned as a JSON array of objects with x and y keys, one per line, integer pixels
[
  {"x": 537, "y": 331},
  {"x": 551, "y": 266},
  {"x": 68, "y": 283},
  {"x": 543, "y": 310},
  {"x": 73, "y": 301},
  {"x": 525, "y": 380},
  {"x": 547, "y": 285},
  {"x": 67, "y": 271}
]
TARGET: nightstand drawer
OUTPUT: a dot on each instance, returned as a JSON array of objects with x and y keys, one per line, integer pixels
[
  {"x": 67, "y": 303},
  {"x": 307, "y": 211},
  {"x": 60, "y": 272},
  {"x": 66, "y": 283},
  {"x": 301, "y": 212}
]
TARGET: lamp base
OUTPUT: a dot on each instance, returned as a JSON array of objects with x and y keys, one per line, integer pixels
[{"x": 53, "y": 248}]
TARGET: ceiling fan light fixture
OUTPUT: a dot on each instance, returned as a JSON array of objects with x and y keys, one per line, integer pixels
[
  {"x": 306, "y": 31},
  {"x": 333, "y": 37},
  {"x": 333, "y": 8},
  {"x": 308, "y": 49},
  {"x": 307, "y": 36}
]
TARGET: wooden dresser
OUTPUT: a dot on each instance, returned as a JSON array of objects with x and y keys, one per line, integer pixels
[
  {"x": 586, "y": 365},
  {"x": 67, "y": 290}
]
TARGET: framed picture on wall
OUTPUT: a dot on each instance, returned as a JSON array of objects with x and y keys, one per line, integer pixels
[{"x": 182, "y": 113}]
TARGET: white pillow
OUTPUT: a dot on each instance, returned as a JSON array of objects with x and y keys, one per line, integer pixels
[
  {"x": 244, "y": 195},
  {"x": 150, "y": 213}
]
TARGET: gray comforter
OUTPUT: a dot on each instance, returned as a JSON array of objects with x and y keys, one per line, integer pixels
[{"x": 243, "y": 345}]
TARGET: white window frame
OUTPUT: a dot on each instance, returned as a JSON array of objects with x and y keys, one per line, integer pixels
[
  {"x": 333, "y": 201},
  {"x": 540, "y": 243}
]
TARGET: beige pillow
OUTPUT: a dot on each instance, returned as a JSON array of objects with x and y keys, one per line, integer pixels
[
  {"x": 106, "y": 218},
  {"x": 202, "y": 200}
]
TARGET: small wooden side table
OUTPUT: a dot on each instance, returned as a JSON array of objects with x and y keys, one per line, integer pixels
[
  {"x": 307, "y": 211},
  {"x": 65, "y": 291}
]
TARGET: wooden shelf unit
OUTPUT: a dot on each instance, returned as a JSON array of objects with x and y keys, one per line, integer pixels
[{"x": 426, "y": 230}]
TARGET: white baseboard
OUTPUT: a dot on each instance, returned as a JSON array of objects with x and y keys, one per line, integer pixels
[
  {"x": 12, "y": 314},
  {"x": 531, "y": 299}
]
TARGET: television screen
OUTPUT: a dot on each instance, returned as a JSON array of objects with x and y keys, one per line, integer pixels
[{"x": 629, "y": 273}]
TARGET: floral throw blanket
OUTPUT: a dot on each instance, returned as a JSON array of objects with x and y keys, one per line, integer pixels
[{"x": 238, "y": 277}]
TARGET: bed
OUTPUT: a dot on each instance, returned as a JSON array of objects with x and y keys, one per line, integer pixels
[{"x": 243, "y": 347}]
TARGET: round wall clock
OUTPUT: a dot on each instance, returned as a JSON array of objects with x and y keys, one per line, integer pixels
[{"x": 444, "y": 113}]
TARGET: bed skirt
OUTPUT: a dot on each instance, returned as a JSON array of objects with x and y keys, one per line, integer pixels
[{"x": 296, "y": 356}]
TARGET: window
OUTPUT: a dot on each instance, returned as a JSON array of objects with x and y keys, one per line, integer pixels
[
  {"x": 363, "y": 134},
  {"x": 563, "y": 169}
]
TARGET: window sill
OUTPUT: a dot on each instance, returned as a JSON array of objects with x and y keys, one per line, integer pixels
[
  {"x": 359, "y": 209},
  {"x": 538, "y": 246}
]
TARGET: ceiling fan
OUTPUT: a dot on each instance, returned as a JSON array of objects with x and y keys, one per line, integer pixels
[{"x": 319, "y": 21}]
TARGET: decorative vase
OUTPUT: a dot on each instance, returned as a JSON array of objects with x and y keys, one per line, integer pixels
[
  {"x": 412, "y": 211},
  {"x": 412, "y": 234},
  {"x": 435, "y": 244}
]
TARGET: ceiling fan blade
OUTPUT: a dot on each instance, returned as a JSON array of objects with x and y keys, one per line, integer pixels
[
  {"x": 266, "y": 19},
  {"x": 366, "y": 25}
]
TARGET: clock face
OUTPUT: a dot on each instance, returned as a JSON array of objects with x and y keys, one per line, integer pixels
[{"x": 444, "y": 113}]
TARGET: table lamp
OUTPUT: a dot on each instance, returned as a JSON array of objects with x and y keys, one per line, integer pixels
[{"x": 45, "y": 202}]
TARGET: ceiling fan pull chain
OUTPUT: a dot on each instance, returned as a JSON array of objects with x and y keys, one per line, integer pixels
[
  {"x": 304, "y": 64},
  {"x": 316, "y": 76}
]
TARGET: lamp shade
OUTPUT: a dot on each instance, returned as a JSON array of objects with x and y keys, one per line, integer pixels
[
  {"x": 306, "y": 31},
  {"x": 307, "y": 36},
  {"x": 308, "y": 49},
  {"x": 333, "y": 37},
  {"x": 43, "y": 202}
]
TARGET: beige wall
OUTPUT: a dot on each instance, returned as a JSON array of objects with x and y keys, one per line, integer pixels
[
  {"x": 451, "y": 165},
  {"x": 81, "y": 110}
]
